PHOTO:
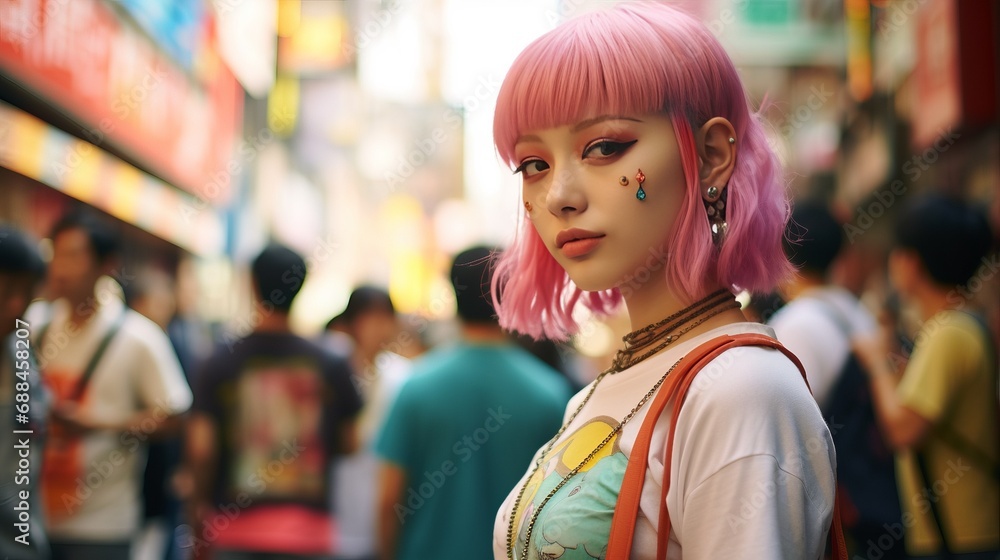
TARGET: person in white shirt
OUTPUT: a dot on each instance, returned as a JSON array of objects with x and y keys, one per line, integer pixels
[{"x": 116, "y": 384}]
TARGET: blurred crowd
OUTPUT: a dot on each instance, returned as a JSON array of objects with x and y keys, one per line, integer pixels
[{"x": 146, "y": 436}]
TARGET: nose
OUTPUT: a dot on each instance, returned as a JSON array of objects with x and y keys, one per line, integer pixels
[{"x": 566, "y": 196}]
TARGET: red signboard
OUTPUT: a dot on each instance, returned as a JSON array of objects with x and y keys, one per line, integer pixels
[{"x": 82, "y": 57}]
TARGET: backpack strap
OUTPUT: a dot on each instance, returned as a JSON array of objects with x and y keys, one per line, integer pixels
[{"x": 675, "y": 388}]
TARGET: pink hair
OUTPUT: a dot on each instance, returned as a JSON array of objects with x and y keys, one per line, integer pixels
[{"x": 640, "y": 59}]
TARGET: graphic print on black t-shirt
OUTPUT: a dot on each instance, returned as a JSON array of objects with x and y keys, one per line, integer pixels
[{"x": 276, "y": 421}]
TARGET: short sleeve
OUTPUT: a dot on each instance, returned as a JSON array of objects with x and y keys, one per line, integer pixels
[
  {"x": 396, "y": 442},
  {"x": 770, "y": 519},
  {"x": 160, "y": 381},
  {"x": 938, "y": 368}
]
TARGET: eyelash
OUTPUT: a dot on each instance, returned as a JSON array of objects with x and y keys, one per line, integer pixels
[{"x": 617, "y": 148}]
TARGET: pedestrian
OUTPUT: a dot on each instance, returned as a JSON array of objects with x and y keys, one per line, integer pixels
[
  {"x": 367, "y": 332},
  {"x": 818, "y": 324},
  {"x": 116, "y": 385},
  {"x": 461, "y": 430},
  {"x": 646, "y": 179},
  {"x": 271, "y": 412},
  {"x": 23, "y": 401},
  {"x": 939, "y": 409}
]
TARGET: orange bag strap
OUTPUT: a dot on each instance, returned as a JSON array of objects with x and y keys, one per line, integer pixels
[{"x": 676, "y": 387}]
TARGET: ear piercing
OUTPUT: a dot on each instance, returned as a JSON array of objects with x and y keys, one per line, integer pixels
[
  {"x": 732, "y": 140},
  {"x": 623, "y": 181},
  {"x": 715, "y": 207},
  {"x": 640, "y": 177}
]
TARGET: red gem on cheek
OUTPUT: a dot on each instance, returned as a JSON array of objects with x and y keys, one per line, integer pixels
[{"x": 640, "y": 176}]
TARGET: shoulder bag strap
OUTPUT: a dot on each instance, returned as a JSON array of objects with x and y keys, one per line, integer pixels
[
  {"x": 88, "y": 372},
  {"x": 627, "y": 508}
]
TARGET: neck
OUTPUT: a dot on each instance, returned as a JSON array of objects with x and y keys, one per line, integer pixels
[
  {"x": 803, "y": 282},
  {"x": 82, "y": 309},
  {"x": 655, "y": 301},
  {"x": 478, "y": 333},
  {"x": 276, "y": 322},
  {"x": 932, "y": 300}
]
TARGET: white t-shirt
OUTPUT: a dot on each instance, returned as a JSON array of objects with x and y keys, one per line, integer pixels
[
  {"x": 91, "y": 485},
  {"x": 355, "y": 476},
  {"x": 752, "y": 472},
  {"x": 818, "y": 326}
]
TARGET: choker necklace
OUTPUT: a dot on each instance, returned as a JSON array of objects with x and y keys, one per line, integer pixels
[{"x": 646, "y": 341}]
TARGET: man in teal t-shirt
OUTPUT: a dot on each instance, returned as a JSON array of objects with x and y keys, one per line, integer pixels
[{"x": 462, "y": 430}]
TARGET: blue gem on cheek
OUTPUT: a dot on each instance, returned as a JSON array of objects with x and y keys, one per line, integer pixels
[{"x": 640, "y": 194}]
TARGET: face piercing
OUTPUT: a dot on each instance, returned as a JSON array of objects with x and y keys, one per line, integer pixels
[
  {"x": 527, "y": 206},
  {"x": 623, "y": 181},
  {"x": 640, "y": 177}
]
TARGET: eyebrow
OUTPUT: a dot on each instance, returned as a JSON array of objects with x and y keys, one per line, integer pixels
[
  {"x": 591, "y": 122},
  {"x": 579, "y": 126}
]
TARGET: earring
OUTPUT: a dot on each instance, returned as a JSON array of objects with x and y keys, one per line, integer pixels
[
  {"x": 715, "y": 207},
  {"x": 732, "y": 140},
  {"x": 527, "y": 206},
  {"x": 640, "y": 177},
  {"x": 623, "y": 181}
]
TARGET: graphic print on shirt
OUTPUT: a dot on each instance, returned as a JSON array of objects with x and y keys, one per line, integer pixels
[
  {"x": 576, "y": 522},
  {"x": 276, "y": 432},
  {"x": 63, "y": 465}
]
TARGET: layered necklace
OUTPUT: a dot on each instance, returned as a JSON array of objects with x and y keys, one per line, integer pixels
[{"x": 639, "y": 345}]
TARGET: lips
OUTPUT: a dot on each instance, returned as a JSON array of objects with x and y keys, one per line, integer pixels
[{"x": 577, "y": 242}]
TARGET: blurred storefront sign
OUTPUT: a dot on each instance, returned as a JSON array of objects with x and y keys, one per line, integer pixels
[
  {"x": 82, "y": 58},
  {"x": 174, "y": 25},
  {"x": 34, "y": 149},
  {"x": 956, "y": 68}
]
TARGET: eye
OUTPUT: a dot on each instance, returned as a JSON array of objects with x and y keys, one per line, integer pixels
[
  {"x": 531, "y": 167},
  {"x": 607, "y": 148}
]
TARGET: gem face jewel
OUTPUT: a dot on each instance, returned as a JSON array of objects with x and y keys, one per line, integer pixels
[
  {"x": 639, "y": 176},
  {"x": 640, "y": 194}
]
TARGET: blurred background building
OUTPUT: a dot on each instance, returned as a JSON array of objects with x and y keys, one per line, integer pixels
[{"x": 359, "y": 131}]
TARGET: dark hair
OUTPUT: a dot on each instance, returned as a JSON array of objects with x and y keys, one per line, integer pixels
[
  {"x": 471, "y": 277},
  {"x": 364, "y": 299},
  {"x": 278, "y": 272},
  {"x": 950, "y": 236},
  {"x": 813, "y": 237},
  {"x": 103, "y": 241},
  {"x": 19, "y": 254}
]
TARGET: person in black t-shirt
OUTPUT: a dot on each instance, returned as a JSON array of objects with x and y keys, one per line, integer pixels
[{"x": 271, "y": 410}]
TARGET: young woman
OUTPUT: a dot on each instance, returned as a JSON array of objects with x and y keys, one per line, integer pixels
[{"x": 648, "y": 180}]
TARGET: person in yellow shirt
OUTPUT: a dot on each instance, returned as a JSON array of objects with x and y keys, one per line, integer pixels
[{"x": 940, "y": 415}]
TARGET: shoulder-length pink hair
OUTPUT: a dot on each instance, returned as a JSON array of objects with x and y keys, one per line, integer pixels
[{"x": 639, "y": 59}]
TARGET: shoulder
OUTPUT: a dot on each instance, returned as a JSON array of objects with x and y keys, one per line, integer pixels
[{"x": 754, "y": 396}]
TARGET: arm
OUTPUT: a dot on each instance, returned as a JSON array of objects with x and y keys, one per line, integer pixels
[
  {"x": 392, "y": 480},
  {"x": 349, "y": 441},
  {"x": 902, "y": 427}
]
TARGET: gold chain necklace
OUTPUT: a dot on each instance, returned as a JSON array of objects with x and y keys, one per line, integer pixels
[{"x": 704, "y": 309}]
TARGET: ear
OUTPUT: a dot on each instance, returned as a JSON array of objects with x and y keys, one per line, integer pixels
[{"x": 716, "y": 154}]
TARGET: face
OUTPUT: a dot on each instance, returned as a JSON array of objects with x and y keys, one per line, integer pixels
[
  {"x": 594, "y": 225},
  {"x": 374, "y": 329},
  {"x": 16, "y": 291},
  {"x": 74, "y": 269}
]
